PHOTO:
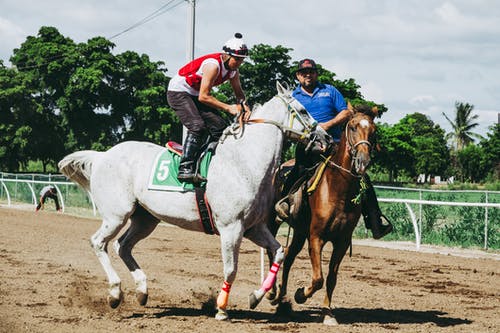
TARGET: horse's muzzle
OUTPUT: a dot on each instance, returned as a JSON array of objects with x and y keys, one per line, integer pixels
[{"x": 361, "y": 162}]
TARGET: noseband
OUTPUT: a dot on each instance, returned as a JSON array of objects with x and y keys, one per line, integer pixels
[{"x": 352, "y": 147}]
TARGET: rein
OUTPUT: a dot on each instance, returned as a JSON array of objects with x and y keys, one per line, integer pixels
[{"x": 238, "y": 127}]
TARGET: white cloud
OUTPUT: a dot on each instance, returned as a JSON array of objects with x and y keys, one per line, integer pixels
[
  {"x": 412, "y": 55},
  {"x": 422, "y": 100},
  {"x": 12, "y": 36}
]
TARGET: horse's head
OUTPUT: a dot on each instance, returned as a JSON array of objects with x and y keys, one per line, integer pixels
[
  {"x": 360, "y": 136},
  {"x": 300, "y": 126}
]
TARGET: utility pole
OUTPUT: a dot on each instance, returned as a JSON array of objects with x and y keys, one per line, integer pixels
[
  {"x": 189, "y": 43},
  {"x": 190, "y": 30}
]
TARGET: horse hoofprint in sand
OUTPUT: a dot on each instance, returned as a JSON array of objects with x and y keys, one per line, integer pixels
[{"x": 239, "y": 191}]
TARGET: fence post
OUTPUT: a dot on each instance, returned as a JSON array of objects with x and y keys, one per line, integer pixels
[
  {"x": 486, "y": 223},
  {"x": 420, "y": 210}
]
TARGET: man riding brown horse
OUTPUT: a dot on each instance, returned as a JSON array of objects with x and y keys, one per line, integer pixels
[{"x": 327, "y": 106}]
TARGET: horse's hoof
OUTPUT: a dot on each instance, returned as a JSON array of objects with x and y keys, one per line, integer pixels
[
  {"x": 278, "y": 299},
  {"x": 114, "y": 302},
  {"x": 330, "y": 320},
  {"x": 271, "y": 295},
  {"x": 254, "y": 298},
  {"x": 142, "y": 298},
  {"x": 221, "y": 315},
  {"x": 300, "y": 297}
]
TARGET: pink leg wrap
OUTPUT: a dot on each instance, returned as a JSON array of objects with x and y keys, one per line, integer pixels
[
  {"x": 271, "y": 277},
  {"x": 223, "y": 295}
]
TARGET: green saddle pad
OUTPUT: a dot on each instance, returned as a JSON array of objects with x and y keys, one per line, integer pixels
[{"x": 163, "y": 176}]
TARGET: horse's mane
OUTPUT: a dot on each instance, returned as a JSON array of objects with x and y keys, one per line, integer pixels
[
  {"x": 284, "y": 92},
  {"x": 367, "y": 110}
]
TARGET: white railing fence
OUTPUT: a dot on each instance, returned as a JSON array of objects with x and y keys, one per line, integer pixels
[
  {"x": 33, "y": 193},
  {"x": 64, "y": 188}
]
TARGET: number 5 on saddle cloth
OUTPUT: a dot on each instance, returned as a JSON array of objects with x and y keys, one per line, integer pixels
[{"x": 163, "y": 177}]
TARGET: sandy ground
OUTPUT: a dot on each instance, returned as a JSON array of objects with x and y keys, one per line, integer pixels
[{"x": 51, "y": 281}]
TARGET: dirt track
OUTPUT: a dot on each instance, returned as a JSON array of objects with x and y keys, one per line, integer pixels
[{"x": 51, "y": 281}]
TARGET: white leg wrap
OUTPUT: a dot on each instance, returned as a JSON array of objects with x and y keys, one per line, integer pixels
[
  {"x": 140, "y": 281},
  {"x": 115, "y": 290}
]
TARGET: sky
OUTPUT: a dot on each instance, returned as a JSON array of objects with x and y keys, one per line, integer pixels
[{"x": 411, "y": 55}]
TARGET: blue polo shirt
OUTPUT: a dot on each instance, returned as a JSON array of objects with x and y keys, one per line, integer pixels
[{"x": 325, "y": 104}]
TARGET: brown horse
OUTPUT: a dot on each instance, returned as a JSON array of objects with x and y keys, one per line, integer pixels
[{"x": 331, "y": 210}]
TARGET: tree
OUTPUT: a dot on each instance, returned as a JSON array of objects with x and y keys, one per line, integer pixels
[
  {"x": 43, "y": 63},
  {"x": 259, "y": 73},
  {"x": 490, "y": 159},
  {"x": 396, "y": 154},
  {"x": 470, "y": 166},
  {"x": 13, "y": 99},
  {"x": 415, "y": 145},
  {"x": 65, "y": 97},
  {"x": 462, "y": 126}
]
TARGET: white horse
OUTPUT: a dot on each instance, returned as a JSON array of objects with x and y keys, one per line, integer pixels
[{"x": 239, "y": 190}]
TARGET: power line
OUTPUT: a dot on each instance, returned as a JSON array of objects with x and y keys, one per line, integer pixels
[{"x": 160, "y": 11}]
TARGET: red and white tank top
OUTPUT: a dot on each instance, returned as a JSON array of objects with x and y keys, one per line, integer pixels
[{"x": 188, "y": 78}]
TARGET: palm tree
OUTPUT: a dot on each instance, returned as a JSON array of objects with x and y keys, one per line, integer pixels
[{"x": 462, "y": 126}]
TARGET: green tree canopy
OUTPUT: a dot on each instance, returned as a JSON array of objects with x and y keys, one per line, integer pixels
[
  {"x": 415, "y": 145},
  {"x": 490, "y": 159},
  {"x": 82, "y": 96}
]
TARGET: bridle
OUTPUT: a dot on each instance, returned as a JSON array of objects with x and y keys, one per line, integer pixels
[
  {"x": 306, "y": 135},
  {"x": 352, "y": 151}
]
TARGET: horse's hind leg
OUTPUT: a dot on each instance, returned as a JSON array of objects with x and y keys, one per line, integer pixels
[
  {"x": 141, "y": 226},
  {"x": 273, "y": 227},
  {"x": 99, "y": 241}
]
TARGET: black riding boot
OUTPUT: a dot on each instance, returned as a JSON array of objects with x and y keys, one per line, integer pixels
[
  {"x": 372, "y": 213},
  {"x": 291, "y": 195},
  {"x": 190, "y": 152}
]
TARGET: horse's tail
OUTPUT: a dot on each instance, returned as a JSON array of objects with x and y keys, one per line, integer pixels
[{"x": 78, "y": 167}]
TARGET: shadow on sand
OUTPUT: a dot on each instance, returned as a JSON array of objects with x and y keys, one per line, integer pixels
[{"x": 345, "y": 316}]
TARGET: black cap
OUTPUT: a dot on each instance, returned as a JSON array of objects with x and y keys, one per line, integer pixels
[{"x": 306, "y": 64}]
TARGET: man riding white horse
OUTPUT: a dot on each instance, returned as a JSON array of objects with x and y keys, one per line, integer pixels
[{"x": 189, "y": 94}]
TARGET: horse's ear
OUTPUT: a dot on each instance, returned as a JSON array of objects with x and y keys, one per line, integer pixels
[
  {"x": 375, "y": 111},
  {"x": 351, "y": 108},
  {"x": 280, "y": 88}
]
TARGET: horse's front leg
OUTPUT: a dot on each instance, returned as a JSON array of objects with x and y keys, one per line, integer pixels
[
  {"x": 230, "y": 237},
  {"x": 315, "y": 248},
  {"x": 273, "y": 227},
  {"x": 298, "y": 240},
  {"x": 260, "y": 235},
  {"x": 340, "y": 248}
]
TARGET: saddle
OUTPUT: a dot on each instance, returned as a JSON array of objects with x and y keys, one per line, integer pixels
[
  {"x": 293, "y": 203},
  {"x": 203, "y": 161},
  {"x": 201, "y": 168}
]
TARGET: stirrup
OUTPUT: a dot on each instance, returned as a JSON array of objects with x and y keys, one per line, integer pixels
[
  {"x": 282, "y": 208},
  {"x": 186, "y": 177}
]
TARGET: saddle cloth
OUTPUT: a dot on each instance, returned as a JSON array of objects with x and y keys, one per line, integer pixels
[{"x": 163, "y": 174}]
